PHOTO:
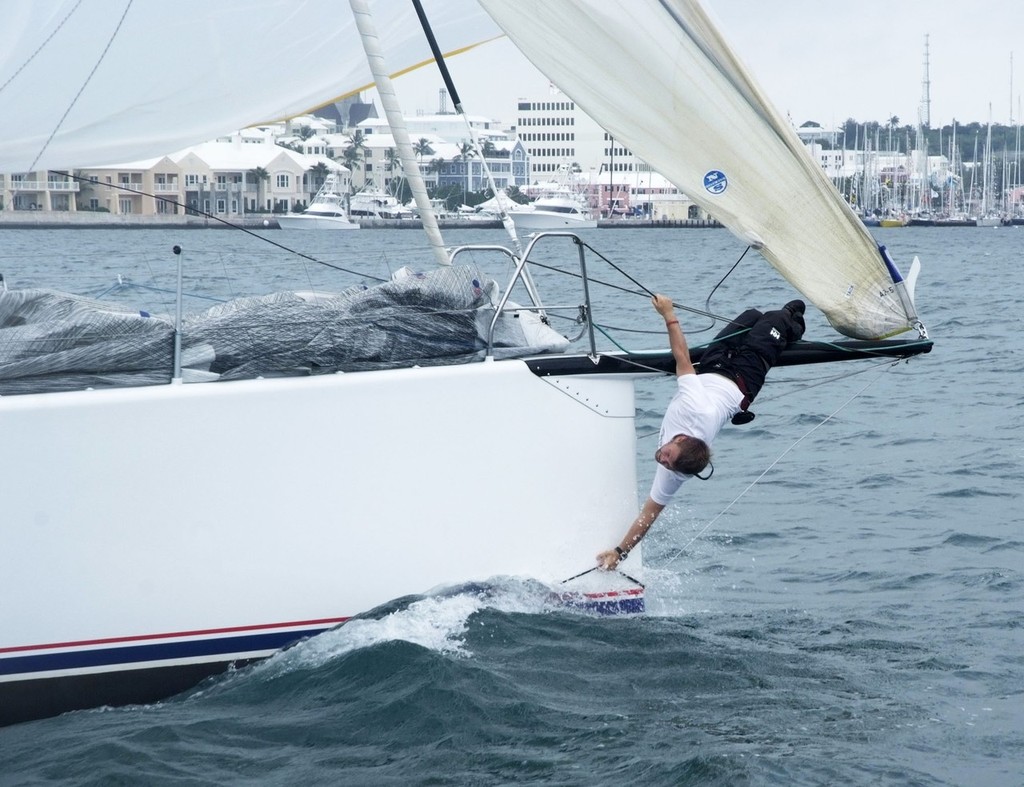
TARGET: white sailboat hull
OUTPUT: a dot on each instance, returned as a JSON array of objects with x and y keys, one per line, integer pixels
[{"x": 160, "y": 533}]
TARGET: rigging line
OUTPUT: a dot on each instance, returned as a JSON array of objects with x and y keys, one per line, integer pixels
[
  {"x": 765, "y": 472},
  {"x": 81, "y": 90},
  {"x": 646, "y": 293},
  {"x": 127, "y": 284},
  {"x": 40, "y": 48},
  {"x": 826, "y": 380},
  {"x": 707, "y": 302},
  {"x": 597, "y": 568},
  {"x": 616, "y": 267},
  {"x": 226, "y": 223}
]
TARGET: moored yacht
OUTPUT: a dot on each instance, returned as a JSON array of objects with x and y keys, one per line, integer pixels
[{"x": 325, "y": 212}]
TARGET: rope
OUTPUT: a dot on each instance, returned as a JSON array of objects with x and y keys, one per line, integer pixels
[
  {"x": 778, "y": 459},
  {"x": 643, "y": 290},
  {"x": 635, "y": 581}
]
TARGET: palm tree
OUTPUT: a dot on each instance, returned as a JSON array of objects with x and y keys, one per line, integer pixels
[
  {"x": 466, "y": 152},
  {"x": 259, "y": 176},
  {"x": 435, "y": 166},
  {"x": 392, "y": 161},
  {"x": 894, "y": 123},
  {"x": 318, "y": 174},
  {"x": 422, "y": 148},
  {"x": 352, "y": 155}
]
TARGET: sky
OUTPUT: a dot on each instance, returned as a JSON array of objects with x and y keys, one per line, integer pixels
[{"x": 825, "y": 61}]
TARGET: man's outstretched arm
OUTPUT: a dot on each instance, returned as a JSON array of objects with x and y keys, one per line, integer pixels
[
  {"x": 676, "y": 338},
  {"x": 648, "y": 513}
]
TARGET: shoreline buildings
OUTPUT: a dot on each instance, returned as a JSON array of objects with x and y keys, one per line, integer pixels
[{"x": 277, "y": 168}]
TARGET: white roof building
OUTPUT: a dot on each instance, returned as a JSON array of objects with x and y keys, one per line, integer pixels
[{"x": 217, "y": 177}]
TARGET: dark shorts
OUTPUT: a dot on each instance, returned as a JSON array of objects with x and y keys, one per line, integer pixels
[{"x": 749, "y": 346}]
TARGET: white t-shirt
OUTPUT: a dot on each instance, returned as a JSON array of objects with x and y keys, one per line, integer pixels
[{"x": 701, "y": 406}]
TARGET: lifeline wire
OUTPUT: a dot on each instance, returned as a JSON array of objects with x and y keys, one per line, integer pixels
[
  {"x": 778, "y": 459},
  {"x": 645, "y": 292}
]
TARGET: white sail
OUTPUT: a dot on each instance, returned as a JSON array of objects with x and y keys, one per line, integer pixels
[
  {"x": 660, "y": 78},
  {"x": 88, "y": 83}
]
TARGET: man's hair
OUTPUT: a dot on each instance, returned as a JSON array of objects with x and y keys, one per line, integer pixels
[{"x": 694, "y": 456}]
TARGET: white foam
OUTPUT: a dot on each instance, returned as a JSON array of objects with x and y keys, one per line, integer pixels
[{"x": 438, "y": 622}]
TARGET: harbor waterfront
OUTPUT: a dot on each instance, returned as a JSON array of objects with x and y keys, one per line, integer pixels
[
  {"x": 27, "y": 220},
  {"x": 840, "y": 604}
]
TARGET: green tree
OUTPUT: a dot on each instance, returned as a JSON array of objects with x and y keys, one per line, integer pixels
[
  {"x": 893, "y": 124},
  {"x": 436, "y": 166},
  {"x": 317, "y": 175},
  {"x": 422, "y": 148},
  {"x": 352, "y": 155},
  {"x": 466, "y": 154},
  {"x": 392, "y": 163}
]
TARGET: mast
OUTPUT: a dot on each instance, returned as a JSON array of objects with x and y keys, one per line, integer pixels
[
  {"x": 506, "y": 220},
  {"x": 926, "y": 89},
  {"x": 974, "y": 171},
  {"x": 986, "y": 172},
  {"x": 924, "y": 196},
  {"x": 951, "y": 210},
  {"x": 389, "y": 100}
]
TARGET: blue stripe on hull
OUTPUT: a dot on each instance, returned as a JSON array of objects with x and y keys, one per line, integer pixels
[
  {"x": 228, "y": 647},
  {"x": 39, "y": 696}
]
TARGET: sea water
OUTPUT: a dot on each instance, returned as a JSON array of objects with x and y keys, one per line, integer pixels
[{"x": 841, "y": 604}]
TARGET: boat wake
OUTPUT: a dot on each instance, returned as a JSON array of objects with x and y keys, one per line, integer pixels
[{"x": 439, "y": 621}]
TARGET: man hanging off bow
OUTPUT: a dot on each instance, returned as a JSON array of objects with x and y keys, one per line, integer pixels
[{"x": 732, "y": 371}]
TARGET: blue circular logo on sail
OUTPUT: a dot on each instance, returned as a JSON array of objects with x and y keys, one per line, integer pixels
[{"x": 715, "y": 181}]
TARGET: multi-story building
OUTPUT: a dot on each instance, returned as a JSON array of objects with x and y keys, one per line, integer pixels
[
  {"x": 558, "y": 135},
  {"x": 451, "y": 162},
  {"x": 229, "y": 177},
  {"x": 45, "y": 191}
]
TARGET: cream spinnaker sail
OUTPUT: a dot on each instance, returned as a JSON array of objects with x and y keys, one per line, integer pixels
[{"x": 659, "y": 77}]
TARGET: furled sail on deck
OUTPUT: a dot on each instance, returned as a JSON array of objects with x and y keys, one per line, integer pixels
[
  {"x": 660, "y": 78},
  {"x": 89, "y": 83}
]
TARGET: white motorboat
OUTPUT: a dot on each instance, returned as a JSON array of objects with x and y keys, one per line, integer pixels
[
  {"x": 376, "y": 204},
  {"x": 325, "y": 212},
  {"x": 558, "y": 210}
]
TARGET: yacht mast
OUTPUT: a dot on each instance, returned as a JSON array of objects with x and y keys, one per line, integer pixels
[{"x": 389, "y": 100}]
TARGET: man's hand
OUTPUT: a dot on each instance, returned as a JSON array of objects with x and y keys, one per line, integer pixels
[
  {"x": 663, "y": 305},
  {"x": 608, "y": 560}
]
